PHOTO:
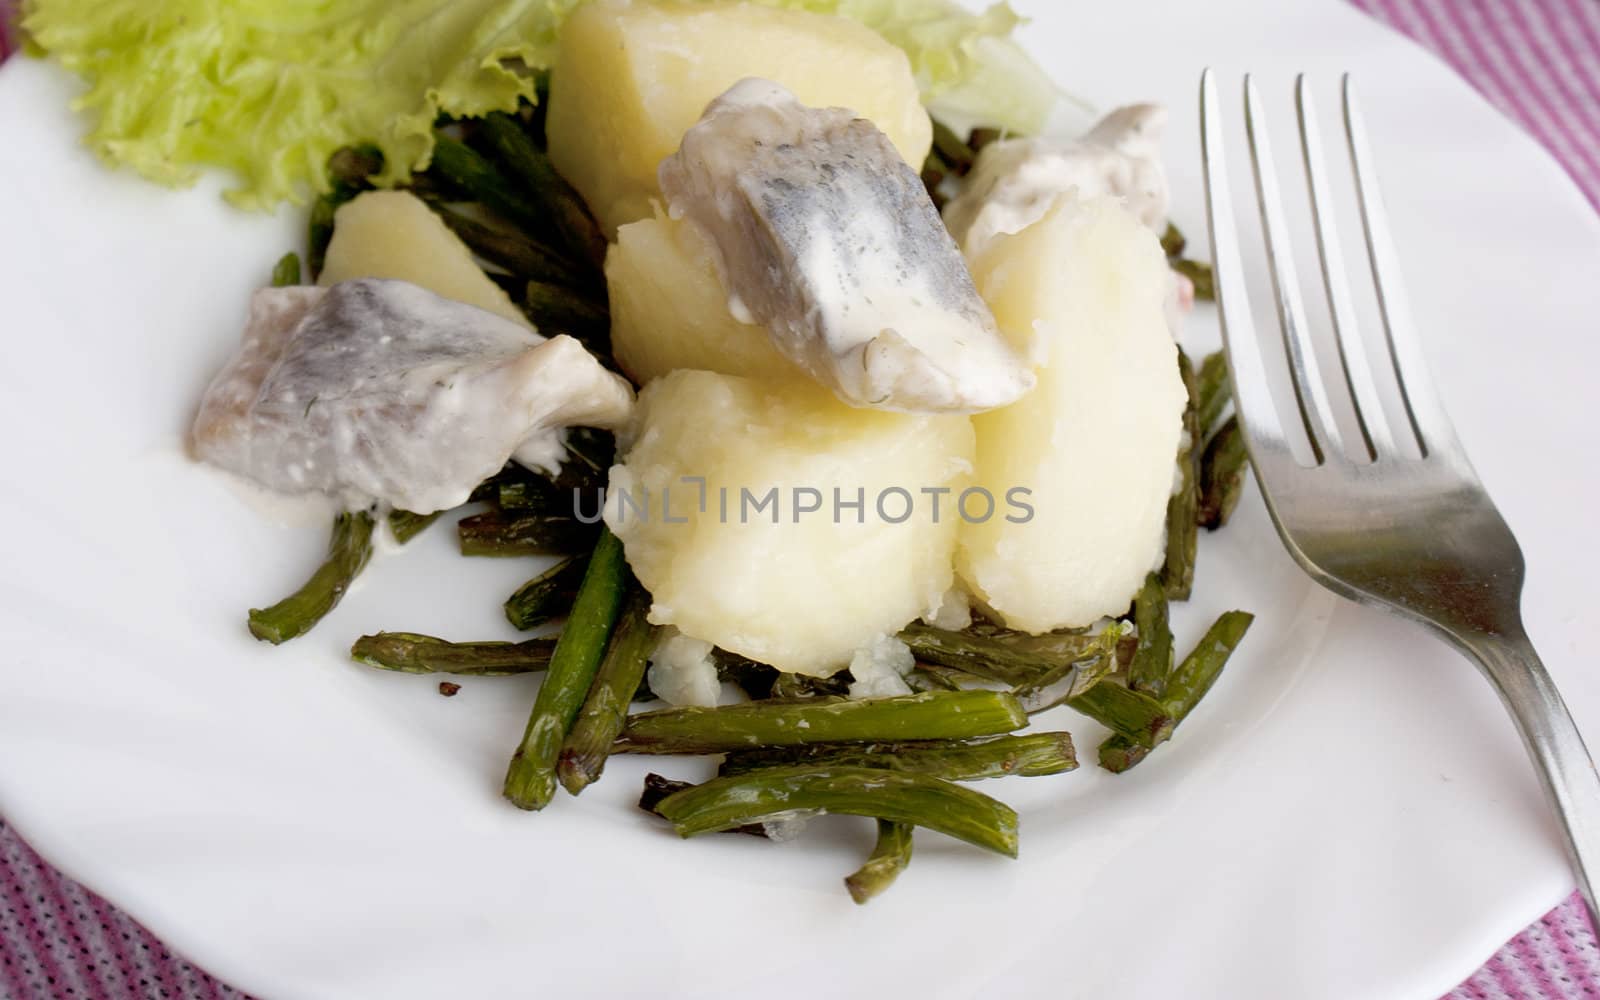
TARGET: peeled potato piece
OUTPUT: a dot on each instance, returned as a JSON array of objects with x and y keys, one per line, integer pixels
[
  {"x": 631, "y": 77},
  {"x": 801, "y": 590},
  {"x": 669, "y": 309},
  {"x": 393, "y": 234},
  {"x": 1094, "y": 443}
]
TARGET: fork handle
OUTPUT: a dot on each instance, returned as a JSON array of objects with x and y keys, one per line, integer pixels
[{"x": 1552, "y": 738}]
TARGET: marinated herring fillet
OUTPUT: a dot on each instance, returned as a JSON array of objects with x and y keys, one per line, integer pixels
[
  {"x": 376, "y": 390},
  {"x": 824, "y": 236}
]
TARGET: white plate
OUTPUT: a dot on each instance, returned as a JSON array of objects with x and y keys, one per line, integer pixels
[{"x": 1347, "y": 816}]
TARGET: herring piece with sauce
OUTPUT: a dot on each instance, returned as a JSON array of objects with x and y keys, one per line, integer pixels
[
  {"x": 825, "y": 237},
  {"x": 379, "y": 391},
  {"x": 1014, "y": 182}
]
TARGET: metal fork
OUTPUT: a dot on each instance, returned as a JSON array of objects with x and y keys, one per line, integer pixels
[{"x": 1417, "y": 536}]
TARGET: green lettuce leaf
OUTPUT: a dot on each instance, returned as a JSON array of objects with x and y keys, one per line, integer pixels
[{"x": 270, "y": 88}]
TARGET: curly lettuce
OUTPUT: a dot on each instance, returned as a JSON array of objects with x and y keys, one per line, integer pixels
[{"x": 268, "y": 89}]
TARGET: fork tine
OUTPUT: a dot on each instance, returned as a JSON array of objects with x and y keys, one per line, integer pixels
[
  {"x": 1370, "y": 419},
  {"x": 1269, "y": 451},
  {"x": 1311, "y": 394},
  {"x": 1429, "y": 422}
]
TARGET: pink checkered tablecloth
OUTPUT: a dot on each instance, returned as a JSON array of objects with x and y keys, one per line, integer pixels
[{"x": 1537, "y": 60}]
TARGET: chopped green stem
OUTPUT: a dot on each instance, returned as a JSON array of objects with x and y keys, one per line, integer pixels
[
  {"x": 348, "y": 551},
  {"x": 605, "y": 711},
  {"x": 1222, "y": 476},
  {"x": 889, "y": 857},
  {"x": 1200, "y": 669},
  {"x": 952, "y": 148},
  {"x": 319, "y": 230},
  {"x": 657, "y": 788},
  {"x": 1013, "y": 659},
  {"x": 411, "y": 653},
  {"x": 535, "y": 495},
  {"x": 405, "y": 526},
  {"x": 1172, "y": 240},
  {"x": 531, "y": 778},
  {"x": 516, "y": 252},
  {"x": 557, "y": 201},
  {"x": 1188, "y": 684},
  {"x": 499, "y": 533},
  {"x": 754, "y": 679},
  {"x": 1109, "y": 650},
  {"x": 1177, "y": 572},
  {"x": 914, "y": 799},
  {"x": 1137, "y": 716},
  {"x": 464, "y": 171},
  {"x": 1118, "y": 753},
  {"x": 932, "y": 677},
  {"x": 1152, "y": 658},
  {"x": 1212, "y": 391},
  {"x": 286, "y": 271},
  {"x": 552, "y": 305},
  {"x": 548, "y": 595},
  {"x": 982, "y": 136},
  {"x": 1026, "y": 755},
  {"x": 353, "y": 166},
  {"x": 794, "y": 687},
  {"x": 930, "y": 715},
  {"x": 1198, "y": 273}
]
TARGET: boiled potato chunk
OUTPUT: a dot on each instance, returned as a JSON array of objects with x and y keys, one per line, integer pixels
[
  {"x": 631, "y": 76},
  {"x": 1095, "y": 441},
  {"x": 393, "y": 234},
  {"x": 669, "y": 309},
  {"x": 800, "y": 584}
]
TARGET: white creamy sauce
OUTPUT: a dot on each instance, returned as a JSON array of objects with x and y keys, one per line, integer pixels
[
  {"x": 879, "y": 668},
  {"x": 682, "y": 671},
  {"x": 1014, "y": 181},
  {"x": 376, "y": 391},
  {"x": 822, "y": 235}
]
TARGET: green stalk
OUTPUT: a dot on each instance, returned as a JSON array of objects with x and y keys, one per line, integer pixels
[
  {"x": 557, "y": 201},
  {"x": 952, "y": 148},
  {"x": 890, "y": 856},
  {"x": 605, "y": 711},
  {"x": 1015, "y": 659},
  {"x": 1177, "y": 572},
  {"x": 349, "y": 548},
  {"x": 1172, "y": 240},
  {"x": 1201, "y": 668},
  {"x": 930, "y": 715},
  {"x": 1026, "y": 755},
  {"x": 1152, "y": 658},
  {"x": 1212, "y": 391},
  {"x": 1199, "y": 273},
  {"x": 286, "y": 271},
  {"x": 552, "y": 305},
  {"x": 517, "y": 252},
  {"x": 1137, "y": 716},
  {"x": 1222, "y": 476},
  {"x": 411, "y": 653},
  {"x": 465, "y": 171},
  {"x": 548, "y": 595},
  {"x": 913, "y": 799},
  {"x": 1118, "y": 753},
  {"x": 1188, "y": 684},
  {"x": 657, "y": 788},
  {"x": 405, "y": 526},
  {"x": 531, "y": 779},
  {"x": 498, "y": 533},
  {"x": 1106, "y": 653}
]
